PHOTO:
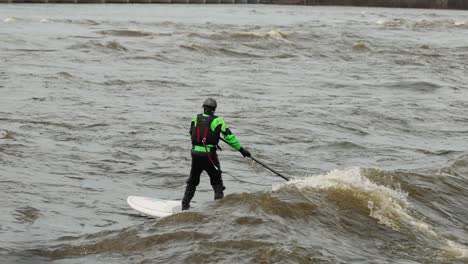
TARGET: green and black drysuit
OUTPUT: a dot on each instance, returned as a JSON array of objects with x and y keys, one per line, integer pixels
[{"x": 205, "y": 131}]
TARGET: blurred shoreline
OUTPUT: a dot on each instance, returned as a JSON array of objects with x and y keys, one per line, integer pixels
[{"x": 433, "y": 4}]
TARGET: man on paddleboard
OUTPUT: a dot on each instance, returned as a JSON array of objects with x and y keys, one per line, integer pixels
[{"x": 205, "y": 131}]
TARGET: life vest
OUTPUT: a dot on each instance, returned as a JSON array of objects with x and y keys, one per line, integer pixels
[{"x": 202, "y": 134}]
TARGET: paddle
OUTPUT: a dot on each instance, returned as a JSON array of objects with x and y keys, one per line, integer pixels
[{"x": 263, "y": 164}]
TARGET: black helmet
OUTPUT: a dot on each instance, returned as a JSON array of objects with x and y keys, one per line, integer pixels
[{"x": 210, "y": 102}]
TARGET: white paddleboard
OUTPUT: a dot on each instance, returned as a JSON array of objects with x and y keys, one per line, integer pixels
[{"x": 154, "y": 206}]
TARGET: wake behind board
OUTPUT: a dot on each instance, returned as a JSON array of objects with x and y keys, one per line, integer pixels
[{"x": 154, "y": 206}]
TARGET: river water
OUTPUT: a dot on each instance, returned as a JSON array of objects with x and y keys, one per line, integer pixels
[{"x": 365, "y": 108}]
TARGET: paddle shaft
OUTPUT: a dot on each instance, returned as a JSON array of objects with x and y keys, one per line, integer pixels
[
  {"x": 272, "y": 170},
  {"x": 263, "y": 164}
]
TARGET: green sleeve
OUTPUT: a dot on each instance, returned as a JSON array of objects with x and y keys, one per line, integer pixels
[{"x": 227, "y": 134}]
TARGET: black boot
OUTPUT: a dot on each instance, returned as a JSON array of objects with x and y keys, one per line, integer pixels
[
  {"x": 218, "y": 191},
  {"x": 188, "y": 195}
]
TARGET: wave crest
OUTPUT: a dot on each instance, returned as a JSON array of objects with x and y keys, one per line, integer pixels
[
  {"x": 97, "y": 46},
  {"x": 272, "y": 34},
  {"x": 215, "y": 51},
  {"x": 351, "y": 188},
  {"x": 126, "y": 33}
]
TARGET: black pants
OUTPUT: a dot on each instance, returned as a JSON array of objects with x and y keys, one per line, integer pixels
[{"x": 201, "y": 162}]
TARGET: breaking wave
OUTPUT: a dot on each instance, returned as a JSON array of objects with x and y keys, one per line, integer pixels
[
  {"x": 97, "y": 46},
  {"x": 215, "y": 51},
  {"x": 245, "y": 36},
  {"x": 355, "y": 203},
  {"x": 362, "y": 190},
  {"x": 272, "y": 35},
  {"x": 126, "y": 33}
]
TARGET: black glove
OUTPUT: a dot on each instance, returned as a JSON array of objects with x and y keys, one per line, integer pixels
[{"x": 244, "y": 152}]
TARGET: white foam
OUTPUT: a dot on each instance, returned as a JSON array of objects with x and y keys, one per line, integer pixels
[
  {"x": 272, "y": 34},
  {"x": 348, "y": 178},
  {"x": 456, "y": 250},
  {"x": 277, "y": 35},
  {"x": 389, "y": 206},
  {"x": 9, "y": 19},
  {"x": 380, "y": 22}
]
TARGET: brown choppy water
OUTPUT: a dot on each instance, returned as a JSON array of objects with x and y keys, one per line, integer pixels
[{"x": 365, "y": 108}]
